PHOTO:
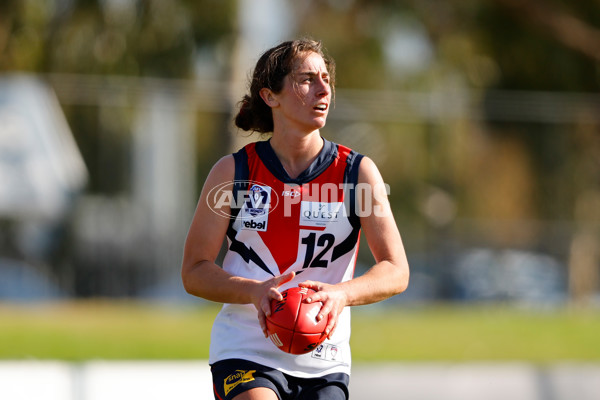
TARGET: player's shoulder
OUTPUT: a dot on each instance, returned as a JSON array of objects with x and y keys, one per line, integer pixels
[
  {"x": 223, "y": 169},
  {"x": 368, "y": 171},
  {"x": 224, "y": 163}
]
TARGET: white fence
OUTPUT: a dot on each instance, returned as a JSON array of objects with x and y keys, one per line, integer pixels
[{"x": 174, "y": 380}]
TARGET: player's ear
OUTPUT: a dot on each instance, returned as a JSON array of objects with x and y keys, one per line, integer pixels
[{"x": 269, "y": 97}]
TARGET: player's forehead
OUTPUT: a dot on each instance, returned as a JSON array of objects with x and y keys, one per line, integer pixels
[{"x": 310, "y": 63}]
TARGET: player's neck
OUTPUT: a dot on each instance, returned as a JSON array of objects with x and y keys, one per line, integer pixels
[{"x": 296, "y": 152}]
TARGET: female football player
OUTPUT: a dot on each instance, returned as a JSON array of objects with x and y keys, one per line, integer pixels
[{"x": 292, "y": 209}]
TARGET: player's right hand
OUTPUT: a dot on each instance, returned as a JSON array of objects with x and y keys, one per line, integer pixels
[{"x": 267, "y": 291}]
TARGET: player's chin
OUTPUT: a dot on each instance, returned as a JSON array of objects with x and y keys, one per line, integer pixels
[
  {"x": 318, "y": 121},
  {"x": 321, "y": 122}
]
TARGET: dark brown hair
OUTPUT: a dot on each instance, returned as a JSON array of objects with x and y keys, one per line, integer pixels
[{"x": 269, "y": 72}]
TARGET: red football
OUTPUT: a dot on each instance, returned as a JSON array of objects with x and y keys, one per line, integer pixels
[{"x": 292, "y": 326}]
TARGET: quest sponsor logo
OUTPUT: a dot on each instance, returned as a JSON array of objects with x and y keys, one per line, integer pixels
[{"x": 318, "y": 213}]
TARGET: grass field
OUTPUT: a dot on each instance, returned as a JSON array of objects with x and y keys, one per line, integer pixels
[{"x": 78, "y": 331}]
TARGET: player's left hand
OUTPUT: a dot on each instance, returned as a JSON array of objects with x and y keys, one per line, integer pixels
[{"x": 334, "y": 300}]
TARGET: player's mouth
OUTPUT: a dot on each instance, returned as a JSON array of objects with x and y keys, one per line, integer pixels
[{"x": 321, "y": 107}]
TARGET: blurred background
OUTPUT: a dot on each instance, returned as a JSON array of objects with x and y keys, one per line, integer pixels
[{"x": 483, "y": 116}]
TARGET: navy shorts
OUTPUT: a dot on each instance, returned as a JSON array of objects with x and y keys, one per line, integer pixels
[{"x": 234, "y": 376}]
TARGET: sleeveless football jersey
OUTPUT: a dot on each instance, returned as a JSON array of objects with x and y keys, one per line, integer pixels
[{"x": 279, "y": 224}]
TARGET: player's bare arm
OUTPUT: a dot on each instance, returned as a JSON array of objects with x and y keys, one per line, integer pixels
[
  {"x": 389, "y": 276},
  {"x": 201, "y": 276}
]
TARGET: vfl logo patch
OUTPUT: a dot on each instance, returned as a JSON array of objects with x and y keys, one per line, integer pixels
[
  {"x": 328, "y": 352},
  {"x": 236, "y": 378},
  {"x": 258, "y": 201},
  {"x": 255, "y": 213},
  {"x": 250, "y": 196}
]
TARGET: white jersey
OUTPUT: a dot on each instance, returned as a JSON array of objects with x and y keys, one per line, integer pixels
[{"x": 307, "y": 225}]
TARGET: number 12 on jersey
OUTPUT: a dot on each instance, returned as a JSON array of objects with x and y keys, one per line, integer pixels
[{"x": 323, "y": 243}]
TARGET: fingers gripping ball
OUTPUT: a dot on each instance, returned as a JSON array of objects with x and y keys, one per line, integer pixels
[{"x": 293, "y": 326}]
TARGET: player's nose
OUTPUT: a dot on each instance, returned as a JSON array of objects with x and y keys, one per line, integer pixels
[{"x": 323, "y": 87}]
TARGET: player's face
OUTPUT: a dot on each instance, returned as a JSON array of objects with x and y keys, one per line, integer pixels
[{"x": 306, "y": 95}]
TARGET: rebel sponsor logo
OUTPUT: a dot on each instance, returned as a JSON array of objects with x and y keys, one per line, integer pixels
[
  {"x": 256, "y": 226},
  {"x": 239, "y": 376}
]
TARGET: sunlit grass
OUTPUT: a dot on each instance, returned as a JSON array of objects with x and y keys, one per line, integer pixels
[
  {"x": 112, "y": 330},
  {"x": 105, "y": 330},
  {"x": 471, "y": 333}
]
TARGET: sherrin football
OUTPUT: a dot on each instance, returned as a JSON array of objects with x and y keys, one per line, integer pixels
[{"x": 293, "y": 326}]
